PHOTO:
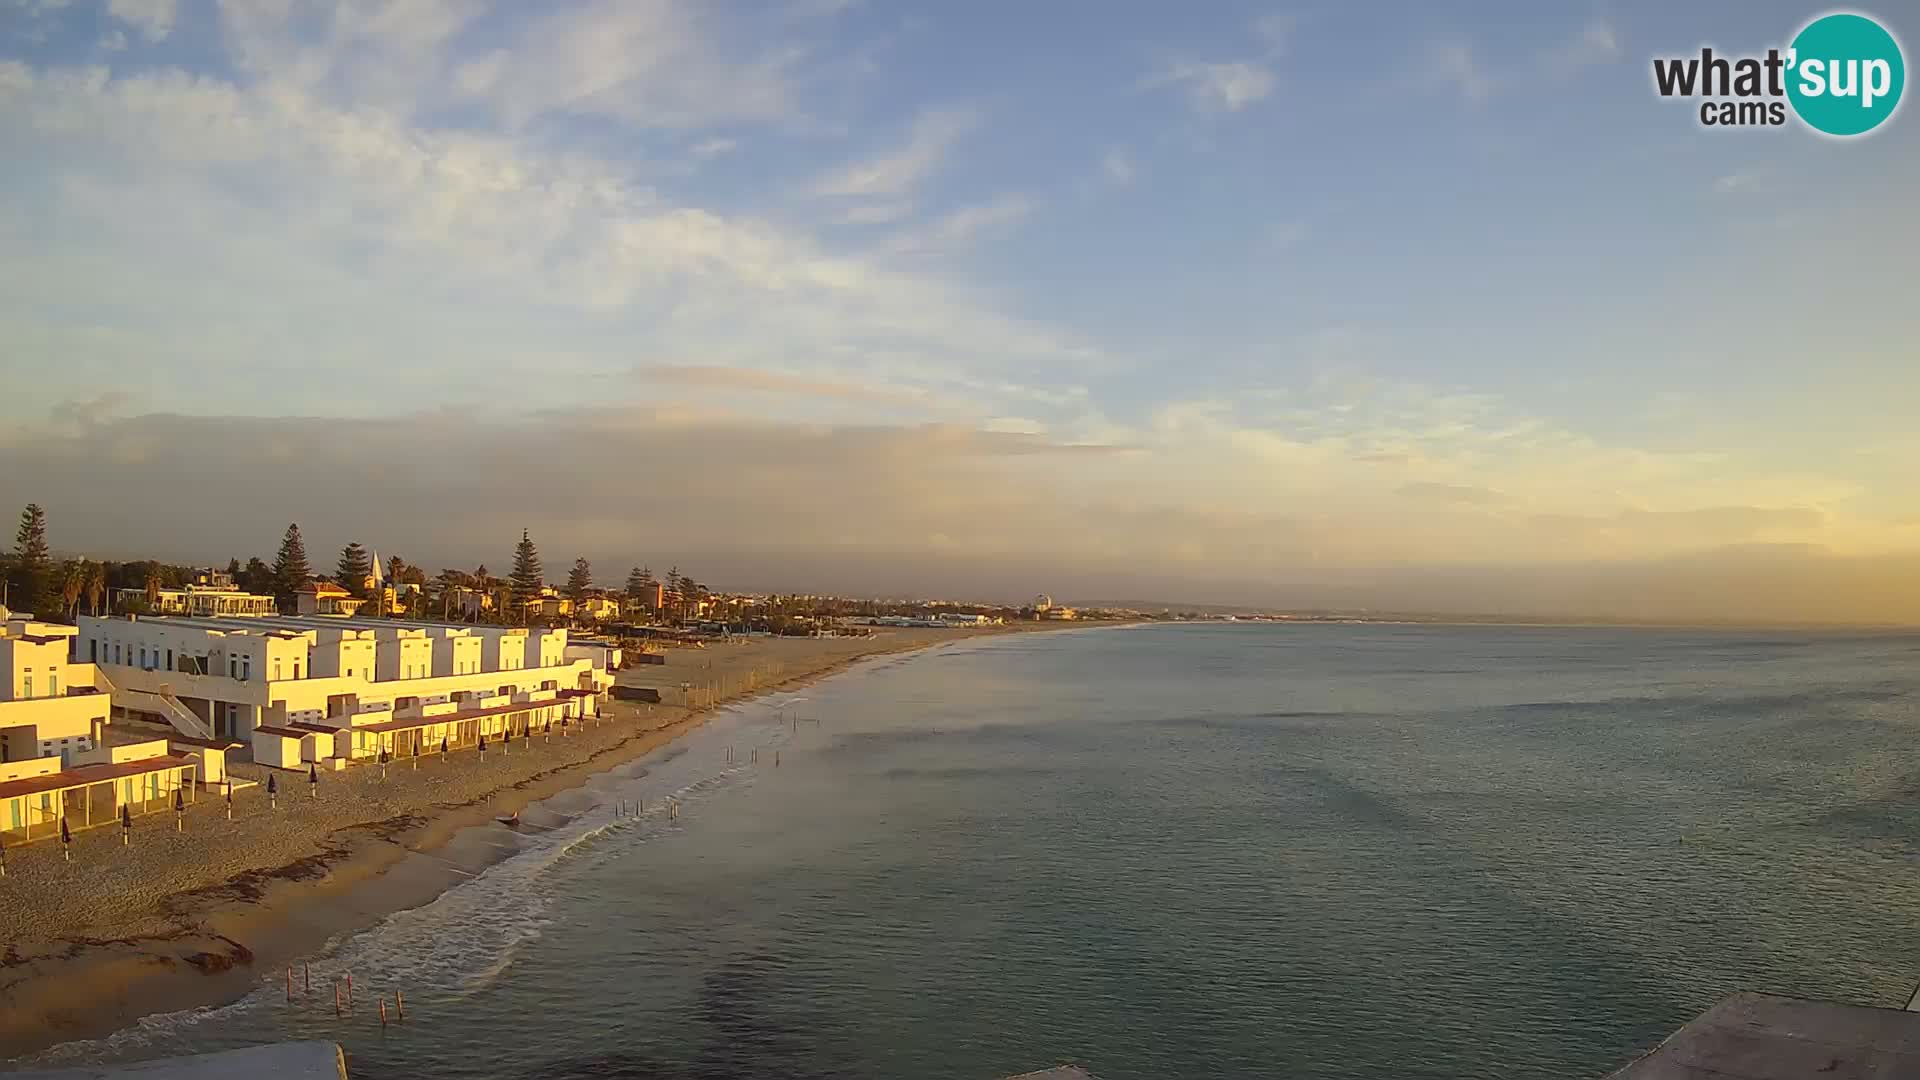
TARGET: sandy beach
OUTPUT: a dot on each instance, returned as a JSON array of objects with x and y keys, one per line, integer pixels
[{"x": 177, "y": 919}]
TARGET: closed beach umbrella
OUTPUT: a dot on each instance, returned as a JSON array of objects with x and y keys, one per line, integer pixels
[
  {"x": 313, "y": 779},
  {"x": 126, "y": 823},
  {"x": 66, "y": 839},
  {"x": 273, "y": 789}
]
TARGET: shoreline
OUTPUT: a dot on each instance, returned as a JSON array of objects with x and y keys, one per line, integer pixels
[{"x": 90, "y": 973}]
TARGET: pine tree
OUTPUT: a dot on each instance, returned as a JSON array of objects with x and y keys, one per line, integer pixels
[
  {"x": 290, "y": 570},
  {"x": 677, "y": 592},
  {"x": 353, "y": 569},
  {"x": 256, "y": 577},
  {"x": 525, "y": 579},
  {"x": 33, "y": 582},
  {"x": 636, "y": 583},
  {"x": 579, "y": 580}
]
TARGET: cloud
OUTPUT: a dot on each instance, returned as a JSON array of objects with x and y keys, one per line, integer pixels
[
  {"x": 1596, "y": 43},
  {"x": 899, "y": 171},
  {"x": 1118, "y": 167},
  {"x": 918, "y": 509},
  {"x": 1213, "y": 87},
  {"x": 1453, "y": 493},
  {"x": 1452, "y": 64},
  {"x": 335, "y": 240},
  {"x": 960, "y": 227},
  {"x": 152, "y": 18},
  {"x": 713, "y": 148},
  {"x": 1739, "y": 181},
  {"x": 881, "y": 213},
  {"x": 774, "y": 382}
]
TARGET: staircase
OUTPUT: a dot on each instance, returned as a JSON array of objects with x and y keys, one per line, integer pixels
[{"x": 161, "y": 703}]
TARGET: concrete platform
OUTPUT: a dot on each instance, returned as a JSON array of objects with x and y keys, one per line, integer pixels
[
  {"x": 279, "y": 1061},
  {"x": 1763, "y": 1037}
]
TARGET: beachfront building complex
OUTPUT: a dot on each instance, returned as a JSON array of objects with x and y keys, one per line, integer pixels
[
  {"x": 332, "y": 689},
  {"x": 49, "y": 706},
  {"x": 56, "y": 762}
]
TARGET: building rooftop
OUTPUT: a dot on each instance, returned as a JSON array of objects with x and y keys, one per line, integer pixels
[
  {"x": 90, "y": 774},
  {"x": 1750, "y": 1036}
]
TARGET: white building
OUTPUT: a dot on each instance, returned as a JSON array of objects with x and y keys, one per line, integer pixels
[
  {"x": 201, "y": 600},
  {"x": 223, "y": 678},
  {"x": 49, "y": 706}
]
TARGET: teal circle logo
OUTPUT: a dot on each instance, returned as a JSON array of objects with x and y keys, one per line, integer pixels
[{"x": 1845, "y": 74}]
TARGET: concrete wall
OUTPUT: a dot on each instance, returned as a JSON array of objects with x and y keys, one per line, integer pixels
[
  {"x": 113, "y": 755},
  {"x": 33, "y": 667},
  {"x": 34, "y": 766},
  {"x": 457, "y": 655},
  {"x": 404, "y": 655},
  {"x": 61, "y": 727},
  {"x": 276, "y": 751}
]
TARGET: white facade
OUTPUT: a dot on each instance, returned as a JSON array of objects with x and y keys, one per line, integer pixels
[
  {"x": 236, "y": 675},
  {"x": 48, "y": 705}
]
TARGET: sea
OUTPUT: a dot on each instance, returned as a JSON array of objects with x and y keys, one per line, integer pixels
[{"x": 1202, "y": 850}]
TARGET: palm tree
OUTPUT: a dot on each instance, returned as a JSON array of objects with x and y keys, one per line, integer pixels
[
  {"x": 96, "y": 586},
  {"x": 73, "y": 582}
]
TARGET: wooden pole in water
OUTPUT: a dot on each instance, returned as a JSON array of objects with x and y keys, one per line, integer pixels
[
  {"x": 306, "y": 972},
  {"x": 349, "y": 989},
  {"x": 400, "y": 1005},
  {"x": 383, "y": 1011},
  {"x": 289, "y": 983},
  {"x": 336, "y": 1001}
]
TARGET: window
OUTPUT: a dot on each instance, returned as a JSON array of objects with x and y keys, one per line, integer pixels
[
  {"x": 116, "y": 652},
  {"x": 169, "y": 659},
  {"x": 93, "y": 652},
  {"x": 246, "y": 668},
  {"x": 53, "y": 684},
  {"x": 28, "y": 683}
]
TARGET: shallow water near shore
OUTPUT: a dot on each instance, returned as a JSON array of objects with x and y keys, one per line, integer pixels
[{"x": 1221, "y": 850}]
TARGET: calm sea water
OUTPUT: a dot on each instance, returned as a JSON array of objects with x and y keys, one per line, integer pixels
[{"x": 1186, "y": 851}]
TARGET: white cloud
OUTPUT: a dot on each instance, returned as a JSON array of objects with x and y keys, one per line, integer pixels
[
  {"x": 899, "y": 171},
  {"x": 1738, "y": 181},
  {"x": 881, "y": 213},
  {"x": 707, "y": 149},
  {"x": 1454, "y": 65},
  {"x": 279, "y": 199},
  {"x": 1118, "y": 167},
  {"x": 962, "y": 226},
  {"x": 1596, "y": 43},
  {"x": 1211, "y": 87},
  {"x": 152, "y": 18}
]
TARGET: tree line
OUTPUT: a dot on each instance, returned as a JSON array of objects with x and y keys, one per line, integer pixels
[{"x": 31, "y": 580}]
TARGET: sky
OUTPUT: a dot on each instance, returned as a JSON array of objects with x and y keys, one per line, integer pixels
[{"x": 1387, "y": 305}]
